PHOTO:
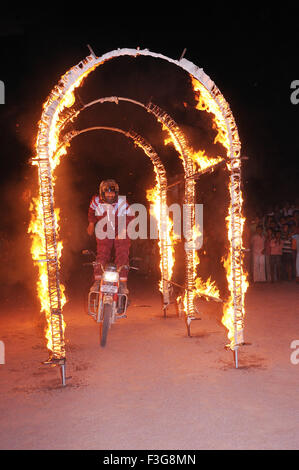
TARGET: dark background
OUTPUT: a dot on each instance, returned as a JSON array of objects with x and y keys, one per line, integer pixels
[{"x": 250, "y": 54}]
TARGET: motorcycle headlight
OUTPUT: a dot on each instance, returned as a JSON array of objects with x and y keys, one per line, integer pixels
[{"x": 110, "y": 276}]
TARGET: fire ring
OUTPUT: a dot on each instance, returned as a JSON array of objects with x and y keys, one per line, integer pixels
[
  {"x": 50, "y": 125},
  {"x": 160, "y": 193}
]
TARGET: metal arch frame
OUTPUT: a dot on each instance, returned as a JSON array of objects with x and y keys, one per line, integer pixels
[
  {"x": 179, "y": 142},
  {"x": 162, "y": 185},
  {"x": 50, "y": 121}
]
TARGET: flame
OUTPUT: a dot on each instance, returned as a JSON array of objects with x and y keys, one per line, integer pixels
[
  {"x": 38, "y": 252},
  {"x": 202, "y": 161},
  {"x": 154, "y": 196},
  {"x": 201, "y": 288},
  {"x": 237, "y": 282},
  {"x": 37, "y": 227},
  {"x": 166, "y": 238},
  {"x": 233, "y": 310},
  {"x": 207, "y": 288},
  {"x": 206, "y": 103},
  {"x": 172, "y": 139},
  {"x": 55, "y": 122}
]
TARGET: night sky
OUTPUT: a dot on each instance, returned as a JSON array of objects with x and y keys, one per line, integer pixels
[{"x": 251, "y": 55}]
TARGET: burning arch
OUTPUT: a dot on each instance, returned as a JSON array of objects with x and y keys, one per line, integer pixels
[
  {"x": 160, "y": 196},
  {"x": 56, "y": 324},
  {"x": 56, "y": 111},
  {"x": 180, "y": 143}
]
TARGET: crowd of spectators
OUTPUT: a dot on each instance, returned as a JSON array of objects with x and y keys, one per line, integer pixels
[{"x": 274, "y": 244}]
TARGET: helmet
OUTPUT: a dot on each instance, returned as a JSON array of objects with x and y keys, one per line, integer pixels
[{"x": 109, "y": 186}]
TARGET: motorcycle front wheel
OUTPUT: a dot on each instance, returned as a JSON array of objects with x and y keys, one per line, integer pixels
[{"x": 105, "y": 325}]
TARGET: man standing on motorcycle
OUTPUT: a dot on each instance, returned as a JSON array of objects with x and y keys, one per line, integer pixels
[{"x": 108, "y": 216}]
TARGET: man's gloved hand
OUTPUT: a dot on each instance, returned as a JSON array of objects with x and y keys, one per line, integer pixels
[{"x": 90, "y": 228}]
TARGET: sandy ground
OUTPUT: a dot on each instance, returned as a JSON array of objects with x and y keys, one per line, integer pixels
[{"x": 153, "y": 387}]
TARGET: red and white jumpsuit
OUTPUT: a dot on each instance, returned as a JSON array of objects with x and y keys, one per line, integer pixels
[{"x": 111, "y": 222}]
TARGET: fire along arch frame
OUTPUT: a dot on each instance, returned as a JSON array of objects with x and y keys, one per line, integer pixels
[
  {"x": 179, "y": 142},
  {"x": 161, "y": 186},
  {"x": 61, "y": 98},
  {"x": 55, "y": 321}
]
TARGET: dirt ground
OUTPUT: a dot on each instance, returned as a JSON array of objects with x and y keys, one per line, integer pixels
[{"x": 153, "y": 387}]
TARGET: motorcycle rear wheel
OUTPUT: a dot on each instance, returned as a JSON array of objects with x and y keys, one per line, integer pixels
[{"x": 105, "y": 325}]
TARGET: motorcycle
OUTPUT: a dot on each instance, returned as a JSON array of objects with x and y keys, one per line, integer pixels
[{"x": 106, "y": 302}]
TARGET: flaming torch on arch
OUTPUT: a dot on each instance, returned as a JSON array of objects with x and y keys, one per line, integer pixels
[
  {"x": 233, "y": 310},
  {"x": 46, "y": 249}
]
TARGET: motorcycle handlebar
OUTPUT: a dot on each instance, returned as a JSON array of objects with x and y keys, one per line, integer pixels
[{"x": 95, "y": 263}]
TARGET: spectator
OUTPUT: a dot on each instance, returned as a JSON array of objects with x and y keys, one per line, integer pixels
[
  {"x": 258, "y": 255},
  {"x": 292, "y": 232},
  {"x": 290, "y": 221},
  {"x": 292, "y": 209},
  {"x": 268, "y": 238},
  {"x": 281, "y": 222},
  {"x": 279, "y": 217},
  {"x": 277, "y": 213},
  {"x": 253, "y": 224},
  {"x": 296, "y": 218},
  {"x": 287, "y": 253},
  {"x": 287, "y": 210},
  {"x": 295, "y": 246},
  {"x": 276, "y": 245}
]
